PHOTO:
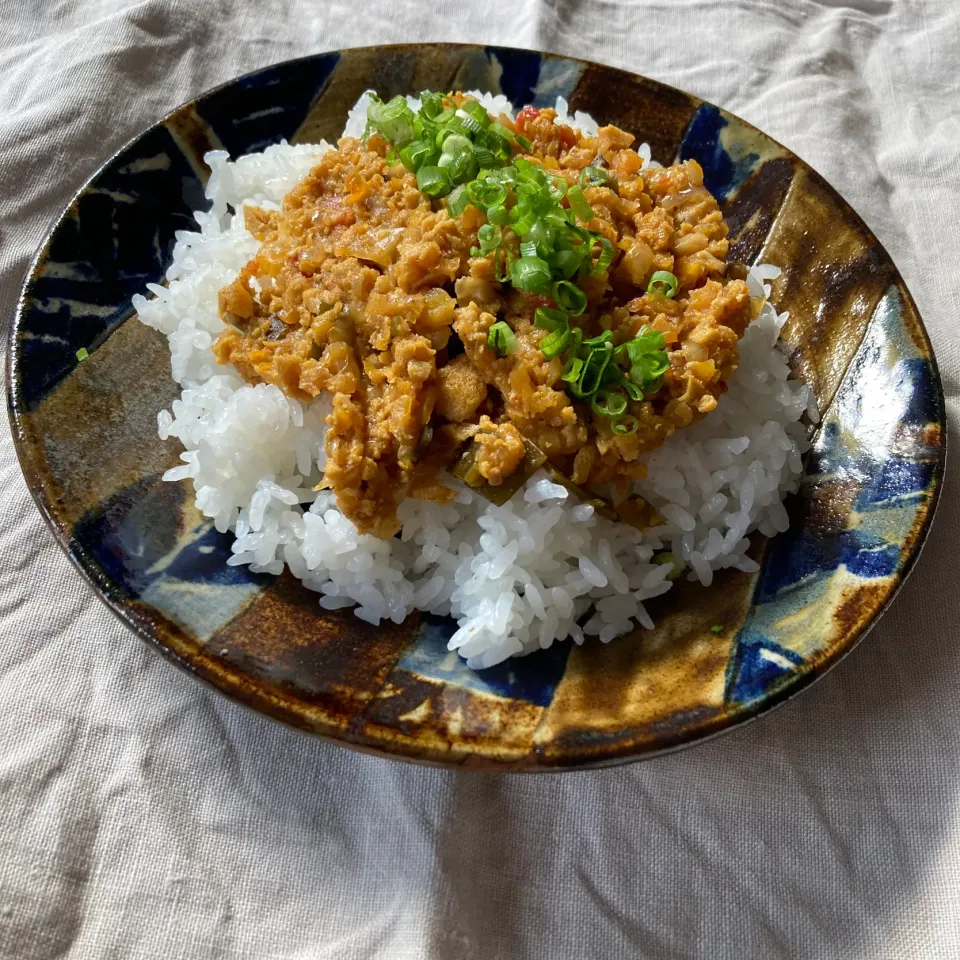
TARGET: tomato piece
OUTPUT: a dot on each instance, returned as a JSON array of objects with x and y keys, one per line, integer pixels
[
  {"x": 540, "y": 300},
  {"x": 525, "y": 115}
]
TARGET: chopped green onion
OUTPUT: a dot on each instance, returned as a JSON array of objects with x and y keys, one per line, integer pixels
[
  {"x": 667, "y": 557},
  {"x": 593, "y": 370},
  {"x": 476, "y": 110},
  {"x": 486, "y": 193},
  {"x": 607, "y": 253},
  {"x": 569, "y": 297},
  {"x": 528, "y": 249},
  {"x": 717, "y": 628},
  {"x": 485, "y": 156},
  {"x": 567, "y": 262},
  {"x": 576, "y": 340},
  {"x": 573, "y": 369},
  {"x": 82, "y": 354},
  {"x": 457, "y": 143},
  {"x": 433, "y": 181},
  {"x": 648, "y": 369},
  {"x": 530, "y": 273},
  {"x": 431, "y": 105},
  {"x": 645, "y": 341},
  {"x": 474, "y": 126},
  {"x": 393, "y": 120},
  {"x": 599, "y": 340},
  {"x": 489, "y": 237},
  {"x": 501, "y": 339},
  {"x": 625, "y": 426},
  {"x": 527, "y": 171},
  {"x": 453, "y": 128},
  {"x": 663, "y": 281},
  {"x": 608, "y": 403},
  {"x": 460, "y": 166},
  {"x": 593, "y": 177},
  {"x": 457, "y": 201},
  {"x": 546, "y": 318},
  {"x": 648, "y": 359},
  {"x": 579, "y": 205},
  {"x": 631, "y": 390},
  {"x": 523, "y": 141},
  {"x": 522, "y": 220},
  {"x": 498, "y": 215},
  {"x": 414, "y": 155},
  {"x": 543, "y": 234},
  {"x": 555, "y": 342}
]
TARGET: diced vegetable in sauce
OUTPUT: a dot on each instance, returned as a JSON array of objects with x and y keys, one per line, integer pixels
[
  {"x": 459, "y": 277},
  {"x": 466, "y": 469}
]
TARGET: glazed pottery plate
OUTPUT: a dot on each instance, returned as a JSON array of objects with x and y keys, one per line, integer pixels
[{"x": 87, "y": 439}]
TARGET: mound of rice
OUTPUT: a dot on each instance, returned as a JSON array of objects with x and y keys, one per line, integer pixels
[{"x": 543, "y": 567}]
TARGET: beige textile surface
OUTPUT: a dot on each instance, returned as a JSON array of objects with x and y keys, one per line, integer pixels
[{"x": 143, "y": 816}]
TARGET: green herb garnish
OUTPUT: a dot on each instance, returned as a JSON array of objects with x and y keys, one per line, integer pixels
[
  {"x": 439, "y": 136},
  {"x": 465, "y": 155},
  {"x": 501, "y": 339},
  {"x": 648, "y": 359},
  {"x": 667, "y": 557},
  {"x": 593, "y": 177},
  {"x": 609, "y": 403},
  {"x": 625, "y": 426},
  {"x": 663, "y": 281}
]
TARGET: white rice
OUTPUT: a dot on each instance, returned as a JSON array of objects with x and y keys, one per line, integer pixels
[{"x": 543, "y": 567}]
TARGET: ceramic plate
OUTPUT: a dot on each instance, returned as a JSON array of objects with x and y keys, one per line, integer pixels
[{"x": 87, "y": 439}]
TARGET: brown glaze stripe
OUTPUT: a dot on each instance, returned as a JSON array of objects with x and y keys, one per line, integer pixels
[
  {"x": 95, "y": 400},
  {"x": 409, "y": 68},
  {"x": 355, "y": 72},
  {"x": 439, "y": 722},
  {"x": 752, "y": 210},
  {"x": 636, "y": 104},
  {"x": 834, "y": 274},
  {"x": 194, "y": 136},
  {"x": 323, "y": 669},
  {"x": 625, "y": 694}
]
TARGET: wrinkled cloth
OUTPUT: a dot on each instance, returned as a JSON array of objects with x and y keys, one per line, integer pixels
[{"x": 145, "y": 816}]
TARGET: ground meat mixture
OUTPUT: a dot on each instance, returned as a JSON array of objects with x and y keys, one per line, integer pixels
[{"x": 365, "y": 289}]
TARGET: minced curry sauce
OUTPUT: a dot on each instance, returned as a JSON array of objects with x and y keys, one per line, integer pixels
[{"x": 368, "y": 289}]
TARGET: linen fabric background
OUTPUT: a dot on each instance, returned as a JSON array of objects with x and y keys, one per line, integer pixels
[{"x": 144, "y": 816}]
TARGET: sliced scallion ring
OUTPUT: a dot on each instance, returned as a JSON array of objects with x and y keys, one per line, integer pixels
[
  {"x": 569, "y": 297},
  {"x": 530, "y": 273},
  {"x": 663, "y": 281},
  {"x": 625, "y": 426},
  {"x": 609, "y": 403},
  {"x": 579, "y": 205},
  {"x": 607, "y": 253},
  {"x": 546, "y": 318},
  {"x": 555, "y": 342},
  {"x": 433, "y": 181},
  {"x": 593, "y": 177},
  {"x": 501, "y": 339}
]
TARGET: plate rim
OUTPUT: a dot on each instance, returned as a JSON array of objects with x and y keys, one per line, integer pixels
[{"x": 472, "y": 759}]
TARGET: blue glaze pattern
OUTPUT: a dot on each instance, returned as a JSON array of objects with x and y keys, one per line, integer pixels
[
  {"x": 725, "y": 167},
  {"x": 115, "y": 239},
  {"x": 866, "y": 455},
  {"x": 274, "y": 100},
  {"x": 532, "y": 679},
  {"x": 865, "y": 502}
]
